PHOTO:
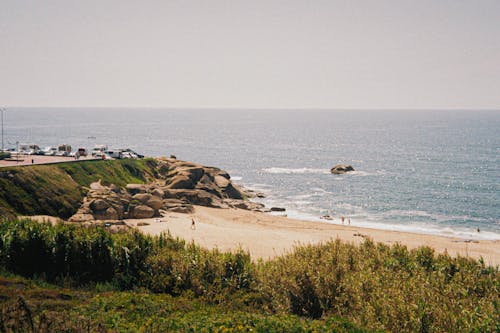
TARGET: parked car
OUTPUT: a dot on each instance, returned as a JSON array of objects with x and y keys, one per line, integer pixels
[
  {"x": 125, "y": 154},
  {"x": 133, "y": 153},
  {"x": 99, "y": 149},
  {"x": 50, "y": 151},
  {"x": 29, "y": 149}
]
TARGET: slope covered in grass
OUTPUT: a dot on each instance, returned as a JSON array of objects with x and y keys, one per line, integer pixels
[{"x": 58, "y": 189}]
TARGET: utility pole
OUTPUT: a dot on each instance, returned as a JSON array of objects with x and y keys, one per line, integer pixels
[{"x": 2, "y": 109}]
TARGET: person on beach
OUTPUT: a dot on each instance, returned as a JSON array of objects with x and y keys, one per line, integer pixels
[
  {"x": 342, "y": 219},
  {"x": 349, "y": 221},
  {"x": 193, "y": 224}
]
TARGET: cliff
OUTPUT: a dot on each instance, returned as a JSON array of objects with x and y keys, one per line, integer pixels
[{"x": 64, "y": 189}]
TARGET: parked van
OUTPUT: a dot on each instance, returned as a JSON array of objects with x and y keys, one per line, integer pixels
[
  {"x": 82, "y": 152},
  {"x": 63, "y": 150}
]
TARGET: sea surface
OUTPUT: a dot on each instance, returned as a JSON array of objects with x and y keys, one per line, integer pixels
[{"x": 433, "y": 172}]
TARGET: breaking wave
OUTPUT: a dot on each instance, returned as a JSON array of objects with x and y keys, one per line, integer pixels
[{"x": 295, "y": 171}]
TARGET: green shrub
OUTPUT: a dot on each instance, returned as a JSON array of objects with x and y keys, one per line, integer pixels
[
  {"x": 4, "y": 155},
  {"x": 388, "y": 288},
  {"x": 384, "y": 287}
]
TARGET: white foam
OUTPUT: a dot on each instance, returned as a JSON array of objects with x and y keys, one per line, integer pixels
[
  {"x": 295, "y": 171},
  {"x": 430, "y": 216},
  {"x": 300, "y": 197},
  {"x": 364, "y": 173},
  {"x": 236, "y": 178},
  {"x": 288, "y": 171},
  {"x": 377, "y": 221}
]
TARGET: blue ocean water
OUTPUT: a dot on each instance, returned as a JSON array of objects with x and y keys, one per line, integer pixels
[{"x": 424, "y": 171}]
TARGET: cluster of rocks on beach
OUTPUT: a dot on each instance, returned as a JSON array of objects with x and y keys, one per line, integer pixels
[
  {"x": 179, "y": 186},
  {"x": 185, "y": 184}
]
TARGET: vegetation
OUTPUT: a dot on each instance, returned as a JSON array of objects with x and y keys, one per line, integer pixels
[
  {"x": 58, "y": 189},
  {"x": 4, "y": 155},
  {"x": 130, "y": 282}
]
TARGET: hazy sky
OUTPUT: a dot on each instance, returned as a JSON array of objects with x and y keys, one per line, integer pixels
[{"x": 254, "y": 54}]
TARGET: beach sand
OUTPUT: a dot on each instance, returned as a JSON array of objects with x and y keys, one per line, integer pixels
[{"x": 266, "y": 236}]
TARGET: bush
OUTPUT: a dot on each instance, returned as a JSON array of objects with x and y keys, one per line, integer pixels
[
  {"x": 4, "y": 155},
  {"x": 384, "y": 287},
  {"x": 380, "y": 287}
]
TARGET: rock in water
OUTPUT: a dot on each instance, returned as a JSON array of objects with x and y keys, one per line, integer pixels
[{"x": 341, "y": 168}]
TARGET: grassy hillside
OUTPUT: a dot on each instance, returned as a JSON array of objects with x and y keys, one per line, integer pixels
[
  {"x": 58, "y": 189},
  {"x": 133, "y": 282}
]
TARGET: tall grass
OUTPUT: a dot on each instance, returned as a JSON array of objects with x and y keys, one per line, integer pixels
[
  {"x": 385, "y": 287},
  {"x": 371, "y": 285}
]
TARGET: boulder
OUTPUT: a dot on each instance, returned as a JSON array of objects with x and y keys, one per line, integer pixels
[
  {"x": 277, "y": 209},
  {"x": 142, "y": 212},
  {"x": 98, "y": 205},
  {"x": 173, "y": 202},
  {"x": 176, "y": 205},
  {"x": 221, "y": 182},
  {"x": 136, "y": 188},
  {"x": 341, "y": 168},
  {"x": 142, "y": 197},
  {"x": 108, "y": 214},
  {"x": 251, "y": 193},
  {"x": 157, "y": 192},
  {"x": 194, "y": 173},
  {"x": 81, "y": 218},
  {"x": 181, "y": 181},
  {"x": 233, "y": 192},
  {"x": 242, "y": 204},
  {"x": 182, "y": 209},
  {"x": 155, "y": 203},
  {"x": 195, "y": 197},
  {"x": 114, "y": 188}
]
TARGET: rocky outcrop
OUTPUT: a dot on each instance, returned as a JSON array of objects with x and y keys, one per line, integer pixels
[
  {"x": 178, "y": 187},
  {"x": 341, "y": 169}
]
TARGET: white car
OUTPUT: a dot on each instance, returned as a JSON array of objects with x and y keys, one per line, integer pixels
[
  {"x": 126, "y": 155},
  {"x": 50, "y": 151}
]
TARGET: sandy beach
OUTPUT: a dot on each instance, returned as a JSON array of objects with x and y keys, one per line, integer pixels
[{"x": 266, "y": 236}]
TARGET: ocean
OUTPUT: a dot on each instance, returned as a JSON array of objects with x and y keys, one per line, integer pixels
[{"x": 433, "y": 172}]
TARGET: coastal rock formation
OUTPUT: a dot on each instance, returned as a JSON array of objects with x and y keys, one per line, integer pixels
[
  {"x": 178, "y": 186},
  {"x": 341, "y": 169}
]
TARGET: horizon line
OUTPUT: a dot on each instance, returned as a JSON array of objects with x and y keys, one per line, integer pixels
[{"x": 187, "y": 108}]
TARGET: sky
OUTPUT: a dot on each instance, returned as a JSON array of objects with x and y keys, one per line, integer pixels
[{"x": 349, "y": 54}]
